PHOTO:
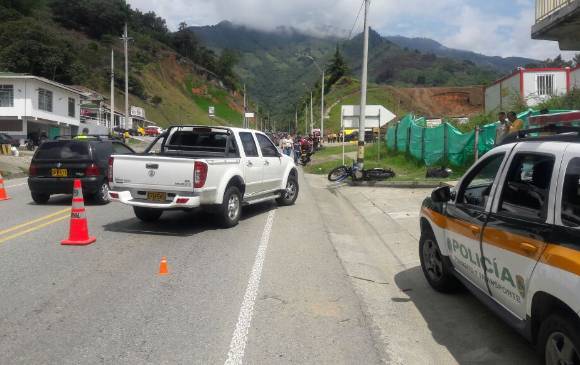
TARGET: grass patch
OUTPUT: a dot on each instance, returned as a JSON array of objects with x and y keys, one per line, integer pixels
[
  {"x": 406, "y": 168},
  {"x": 334, "y": 150}
]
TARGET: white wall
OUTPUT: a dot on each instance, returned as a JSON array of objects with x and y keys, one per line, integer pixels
[
  {"x": 501, "y": 96},
  {"x": 575, "y": 79},
  {"x": 531, "y": 86},
  {"x": 26, "y": 104}
]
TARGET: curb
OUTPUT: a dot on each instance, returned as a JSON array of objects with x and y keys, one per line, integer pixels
[
  {"x": 407, "y": 184},
  {"x": 16, "y": 175}
]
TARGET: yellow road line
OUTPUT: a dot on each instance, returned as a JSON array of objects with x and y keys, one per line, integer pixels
[
  {"x": 33, "y": 221},
  {"x": 2, "y": 240}
]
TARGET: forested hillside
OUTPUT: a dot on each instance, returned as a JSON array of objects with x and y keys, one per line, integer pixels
[{"x": 71, "y": 42}]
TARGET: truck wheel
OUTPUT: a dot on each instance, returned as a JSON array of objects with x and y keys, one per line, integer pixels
[
  {"x": 436, "y": 268},
  {"x": 559, "y": 340},
  {"x": 231, "y": 208},
  {"x": 147, "y": 214},
  {"x": 290, "y": 194},
  {"x": 40, "y": 198}
]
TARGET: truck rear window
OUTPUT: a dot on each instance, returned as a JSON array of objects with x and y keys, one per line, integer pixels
[
  {"x": 205, "y": 141},
  {"x": 63, "y": 150}
]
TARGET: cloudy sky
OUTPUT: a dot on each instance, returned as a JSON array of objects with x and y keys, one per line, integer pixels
[{"x": 491, "y": 27}]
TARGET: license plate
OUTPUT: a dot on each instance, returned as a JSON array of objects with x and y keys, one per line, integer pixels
[
  {"x": 156, "y": 197},
  {"x": 59, "y": 172}
]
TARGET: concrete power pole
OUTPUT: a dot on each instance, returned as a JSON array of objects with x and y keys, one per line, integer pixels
[
  {"x": 322, "y": 109},
  {"x": 126, "y": 39},
  {"x": 311, "y": 112},
  {"x": 245, "y": 120},
  {"x": 360, "y": 158},
  {"x": 296, "y": 121},
  {"x": 112, "y": 120}
]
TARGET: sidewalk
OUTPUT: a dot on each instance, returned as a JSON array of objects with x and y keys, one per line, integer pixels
[{"x": 375, "y": 231}]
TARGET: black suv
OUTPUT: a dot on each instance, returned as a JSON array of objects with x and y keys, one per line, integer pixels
[{"x": 56, "y": 164}]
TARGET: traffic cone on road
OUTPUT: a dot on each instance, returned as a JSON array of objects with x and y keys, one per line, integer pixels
[
  {"x": 3, "y": 194},
  {"x": 163, "y": 267},
  {"x": 79, "y": 231}
]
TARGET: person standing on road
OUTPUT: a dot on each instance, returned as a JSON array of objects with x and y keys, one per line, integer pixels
[
  {"x": 297, "y": 148},
  {"x": 289, "y": 145},
  {"x": 516, "y": 124}
]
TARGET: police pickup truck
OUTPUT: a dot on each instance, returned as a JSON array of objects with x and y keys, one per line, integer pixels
[
  {"x": 510, "y": 233},
  {"x": 217, "y": 168}
]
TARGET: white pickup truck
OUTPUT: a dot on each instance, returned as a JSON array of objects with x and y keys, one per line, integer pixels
[{"x": 216, "y": 168}]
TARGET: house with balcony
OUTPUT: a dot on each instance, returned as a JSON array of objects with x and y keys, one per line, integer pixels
[
  {"x": 532, "y": 86},
  {"x": 558, "y": 20},
  {"x": 32, "y": 106}
]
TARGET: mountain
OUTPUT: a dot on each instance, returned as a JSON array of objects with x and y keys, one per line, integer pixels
[
  {"x": 171, "y": 76},
  {"x": 426, "y": 45},
  {"x": 278, "y": 75}
]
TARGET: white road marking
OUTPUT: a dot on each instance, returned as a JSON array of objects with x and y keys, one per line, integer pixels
[{"x": 240, "y": 336}]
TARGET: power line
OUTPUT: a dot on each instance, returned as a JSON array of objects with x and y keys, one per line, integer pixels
[{"x": 356, "y": 20}]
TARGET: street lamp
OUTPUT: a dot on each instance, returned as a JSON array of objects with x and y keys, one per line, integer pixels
[{"x": 322, "y": 96}]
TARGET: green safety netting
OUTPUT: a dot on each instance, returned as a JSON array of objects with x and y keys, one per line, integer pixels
[
  {"x": 445, "y": 143},
  {"x": 434, "y": 141}
]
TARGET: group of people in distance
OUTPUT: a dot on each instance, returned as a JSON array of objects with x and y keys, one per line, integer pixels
[
  {"x": 294, "y": 145},
  {"x": 508, "y": 123}
]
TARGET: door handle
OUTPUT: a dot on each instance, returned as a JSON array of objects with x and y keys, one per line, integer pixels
[
  {"x": 528, "y": 247},
  {"x": 266, "y": 163},
  {"x": 249, "y": 164},
  {"x": 475, "y": 229}
]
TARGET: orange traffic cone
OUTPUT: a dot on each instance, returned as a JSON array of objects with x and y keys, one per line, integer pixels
[
  {"x": 163, "y": 266},
  {"x": 79, "y": 231},
  {"x": 3, "y": 194}
]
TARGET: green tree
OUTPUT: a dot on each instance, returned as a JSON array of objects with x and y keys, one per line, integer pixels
[
  {"x": 93, "y": 17},
  {"x": 336, "y": 69}
]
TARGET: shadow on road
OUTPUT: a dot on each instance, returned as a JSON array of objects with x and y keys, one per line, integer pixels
[
  {"x": 182, "y": 224},
  {"x": 470, "y": 331}
]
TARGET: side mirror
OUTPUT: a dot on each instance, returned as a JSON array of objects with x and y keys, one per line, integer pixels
[{"x": 441, "y": 195}]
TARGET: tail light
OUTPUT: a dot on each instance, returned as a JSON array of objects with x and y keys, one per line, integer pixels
[
  {"x": 110, "y": 172},
  {"x": 199, "y": 174},
  {"x": 33, "y": 170},
  {"x": 92, "y": 170}
]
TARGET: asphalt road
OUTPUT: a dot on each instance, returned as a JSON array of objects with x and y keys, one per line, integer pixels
[{"x": 270, "y": 290}]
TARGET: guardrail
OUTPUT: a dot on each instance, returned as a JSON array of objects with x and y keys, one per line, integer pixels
[{"x": 545, "y": 8}]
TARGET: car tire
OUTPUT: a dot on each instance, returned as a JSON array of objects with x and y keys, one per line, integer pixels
[
  {"x": 40, "y": 198},
  {"x": 436, "y": 267},
  {"x": 102, "y": 195},
  {"x": 290, "y": 194},
  {"x": 559, "y": 334},
  {"x": 231, "y": 208},
  {"x": 148, "y": 215}
]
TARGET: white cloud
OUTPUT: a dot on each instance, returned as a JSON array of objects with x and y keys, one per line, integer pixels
[{"x": 455, "y": 23}]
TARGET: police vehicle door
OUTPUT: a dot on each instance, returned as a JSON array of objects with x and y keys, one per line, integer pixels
[
  {"x": 520, "y": 225},
  {"x": 467, "y": 216}
]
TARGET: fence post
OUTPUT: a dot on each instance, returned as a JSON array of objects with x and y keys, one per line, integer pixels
[
  {"x": 409, "y": 140},
  {"x": 445, "y": 146},
  {"x": 476, "y": 149},
  {"x": 396, "y": 137},
  {"x": 422, "y": 144}
]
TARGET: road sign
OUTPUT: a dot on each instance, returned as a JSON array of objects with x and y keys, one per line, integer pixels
[
  {"x": 212, "y": 111},
  {"x": 249, "y": 115}
]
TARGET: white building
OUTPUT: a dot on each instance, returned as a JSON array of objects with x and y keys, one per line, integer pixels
[
  {"x": 31, "y": 106},
  {"x": 531, "y": 85},
  {"x": 377, "y": 116}
]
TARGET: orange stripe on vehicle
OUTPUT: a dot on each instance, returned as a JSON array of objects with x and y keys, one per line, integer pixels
[
  {"x": 515, "y": 243},
  {"x": 563, "y": 258},
  {"x": 451, "y": 224}
]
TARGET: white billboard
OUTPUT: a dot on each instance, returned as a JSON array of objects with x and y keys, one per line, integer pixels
[{"x": 137, "y": 112}]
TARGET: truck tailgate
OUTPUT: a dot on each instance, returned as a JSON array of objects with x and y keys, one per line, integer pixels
[{"x": 153, "y": 172}]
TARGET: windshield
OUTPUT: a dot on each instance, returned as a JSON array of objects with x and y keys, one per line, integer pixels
[{"x": 63, "y": 150}]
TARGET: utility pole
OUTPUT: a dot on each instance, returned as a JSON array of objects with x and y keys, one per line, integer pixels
[
  {"x": 311, "y": 112},
  {"x": 112, "y": 119},
  {"x": 245, "y": 120},
  {"x": 296, "y": 121},
  {"x": 126, "y": 39},
  {"x": 360, "y": 158},
  {"x": 322, "y": 109},
  {"x": 306, "y": 119}
]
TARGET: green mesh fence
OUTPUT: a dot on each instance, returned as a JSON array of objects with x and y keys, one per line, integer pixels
[{"x": 444, "y": 144}]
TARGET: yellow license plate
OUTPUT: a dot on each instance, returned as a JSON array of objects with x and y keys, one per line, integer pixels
[
  {"x": 156, "y": 197},
  {"x": 59, "y": 172}
]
